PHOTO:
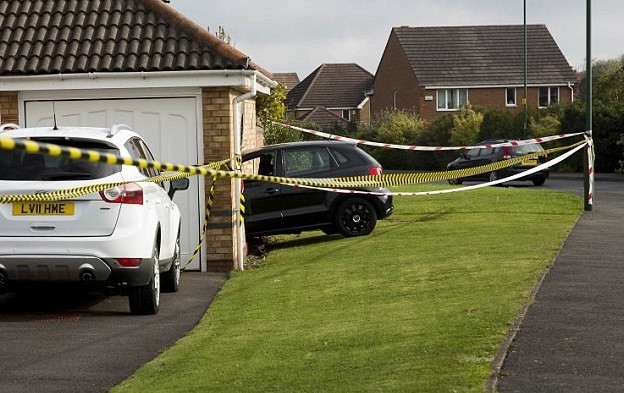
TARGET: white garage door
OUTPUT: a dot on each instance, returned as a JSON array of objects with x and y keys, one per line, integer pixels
[{"x": 169, "y": 125}]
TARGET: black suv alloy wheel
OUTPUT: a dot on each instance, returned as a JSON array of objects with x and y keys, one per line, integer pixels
[{"x": 356, "y": 217}]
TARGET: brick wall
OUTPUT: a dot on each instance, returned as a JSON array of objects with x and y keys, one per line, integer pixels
[
  {"x": 218, "y": 131},
  {"x": 491, "y": 98},
  {"x": 395, "y": 81},
  {"x": 8, "y": 108}
]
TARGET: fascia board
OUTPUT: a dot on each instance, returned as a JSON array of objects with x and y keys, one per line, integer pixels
[{"x": 240, "y": 79}]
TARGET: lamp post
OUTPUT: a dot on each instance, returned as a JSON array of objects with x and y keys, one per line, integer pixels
[
  {"x": 526, "y": 90},
  {"x": 587, "y": 177}
]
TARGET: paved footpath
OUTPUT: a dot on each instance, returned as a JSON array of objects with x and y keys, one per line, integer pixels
[{"x": 572, "y": 337}]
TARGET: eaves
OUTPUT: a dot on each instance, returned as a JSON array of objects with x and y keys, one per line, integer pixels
[{"x": 240, "y": 79}]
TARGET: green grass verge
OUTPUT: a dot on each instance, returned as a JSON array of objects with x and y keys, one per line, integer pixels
[{"x": 421, "y": 305}]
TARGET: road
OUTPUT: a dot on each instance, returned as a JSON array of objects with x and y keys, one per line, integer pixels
[{"x": 55, "y": 342}]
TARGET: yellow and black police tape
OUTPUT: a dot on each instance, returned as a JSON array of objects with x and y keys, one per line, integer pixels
[
  {"x": 385, "y": 180},
  {"x": 213, "y": 170},
  {"x": 209, "y": 203}
]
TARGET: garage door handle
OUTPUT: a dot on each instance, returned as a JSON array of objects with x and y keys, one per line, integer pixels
[{"x": 271, "y": 190}]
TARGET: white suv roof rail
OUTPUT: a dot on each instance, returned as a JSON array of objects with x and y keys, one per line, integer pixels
[
  {"x": 116, "y": 128},
  {"x": 8, "y": 126}
]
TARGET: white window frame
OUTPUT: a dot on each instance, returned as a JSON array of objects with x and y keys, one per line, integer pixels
[
  {"x": 515, "y": 97},
  {"x": 457, "y": 94},
  {"x": 550, "y": 95},
  {"x": 346, "y": 112}
]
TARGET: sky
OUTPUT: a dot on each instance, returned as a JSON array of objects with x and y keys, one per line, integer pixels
[{"x": 300, "y": 35}]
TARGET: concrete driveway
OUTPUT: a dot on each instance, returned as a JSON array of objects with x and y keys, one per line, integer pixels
[{"x": 76, "y": 343}]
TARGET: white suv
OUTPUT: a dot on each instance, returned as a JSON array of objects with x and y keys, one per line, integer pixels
[{"x": 121, "y": 240}]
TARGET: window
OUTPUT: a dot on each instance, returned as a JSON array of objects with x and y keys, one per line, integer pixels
[
  {"x": 510, "y": 97},
  {"x": 301, "y": 162},
  {"x": 548, "y": 96},
  {"x": 346, "y": 114},
  {"x": 395, "y": 98},
  {"x": 138, "y": 150},
  {"x": 452, "y": 99},
  {"x": 18, "y": 165}
]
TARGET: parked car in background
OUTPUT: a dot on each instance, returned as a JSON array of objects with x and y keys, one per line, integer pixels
[
  {"x": 479, "y": 157},
  {"x": 273, "y": 208},
  {"x": 122, "y": 240}
]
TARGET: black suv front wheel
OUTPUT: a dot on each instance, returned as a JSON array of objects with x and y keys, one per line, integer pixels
[{"x": 355, "y": 217}]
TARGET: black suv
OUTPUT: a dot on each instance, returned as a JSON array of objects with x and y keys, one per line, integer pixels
[
  {"x": 484, "y": 156},
  {"x": 273, "y": 208}
]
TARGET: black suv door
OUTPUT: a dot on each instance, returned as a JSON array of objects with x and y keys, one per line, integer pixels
[{"x": 304, "y": 207}]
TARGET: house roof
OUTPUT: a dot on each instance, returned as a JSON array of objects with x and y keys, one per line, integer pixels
[
  {"x": 483, "y": 55},
  {"x": 288, "y": 79},
  {"x": 332, "y": 86},
  {"x": 326, "y": 119},
  {"x": 50, "y": 37}
]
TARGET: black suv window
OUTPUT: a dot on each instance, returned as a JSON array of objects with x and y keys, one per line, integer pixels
[
  {"x": 17, "y": 165},
  {"x": 301, "y": 162},
  {"x": 526, "y": 149}
]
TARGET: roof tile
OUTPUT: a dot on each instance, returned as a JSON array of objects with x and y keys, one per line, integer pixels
[
  {"x": 478, "y": 55},
  {"x": 43, "y": 37},
  {"x": 332, "y": 86},
  {"x": 326, "y": 119}
]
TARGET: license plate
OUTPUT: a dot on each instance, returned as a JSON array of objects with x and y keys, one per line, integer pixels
[
  {"x": 43, "y": 209},
  {"x": 529, "y": 163}
]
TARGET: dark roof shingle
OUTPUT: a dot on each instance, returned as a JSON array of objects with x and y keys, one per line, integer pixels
[
  {"x": 332, "y": 86},
  {"x": 79, "y": 36},
  {"x": 483, "y": 55},
  {"x": 288, "y": 79},
  {"x": 326, "y": 119}
]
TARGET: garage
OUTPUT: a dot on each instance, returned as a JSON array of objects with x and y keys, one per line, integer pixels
[
  {"x": 168, "y": 124},
  {"x": 140, "y": 63}
]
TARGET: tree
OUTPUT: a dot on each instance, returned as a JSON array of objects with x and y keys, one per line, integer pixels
[
  {"x": 608, "y": 119},
  {"x": 270, "y": 109}
]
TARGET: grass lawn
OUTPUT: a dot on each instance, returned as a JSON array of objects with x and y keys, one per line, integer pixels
[{"x": 420, "y": 305}]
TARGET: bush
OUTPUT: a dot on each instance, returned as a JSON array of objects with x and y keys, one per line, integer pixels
[
  {"x": 544, "y": 126},
  {"x": 395, "y": 127},
  {"x": 502, "y": 124},
  {"x": 466, "y": 127}
]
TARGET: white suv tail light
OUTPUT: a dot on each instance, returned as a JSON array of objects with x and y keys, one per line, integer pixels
[{"x": 130, "y": 193}]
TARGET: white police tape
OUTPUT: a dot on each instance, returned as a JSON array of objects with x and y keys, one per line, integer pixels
[
  {"x": 427, "y": 148},
  {"x": 517, "y": 176},
  {"x": 185, "y": 170}
]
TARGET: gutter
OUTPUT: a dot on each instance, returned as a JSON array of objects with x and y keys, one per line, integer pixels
[{"x": 130, "y": 80}]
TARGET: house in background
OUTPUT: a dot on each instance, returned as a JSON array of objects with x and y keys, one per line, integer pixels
[
  {"x": 326, "y": 119},
  {"x": 339, "y": 89},
  {"x": 288, "y": 79},
  {"x": 436, "y": 70},
  {"x": 141, "y": 63}
]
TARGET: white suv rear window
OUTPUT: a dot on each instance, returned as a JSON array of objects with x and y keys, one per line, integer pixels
[{"x": 17, "y": 165}]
